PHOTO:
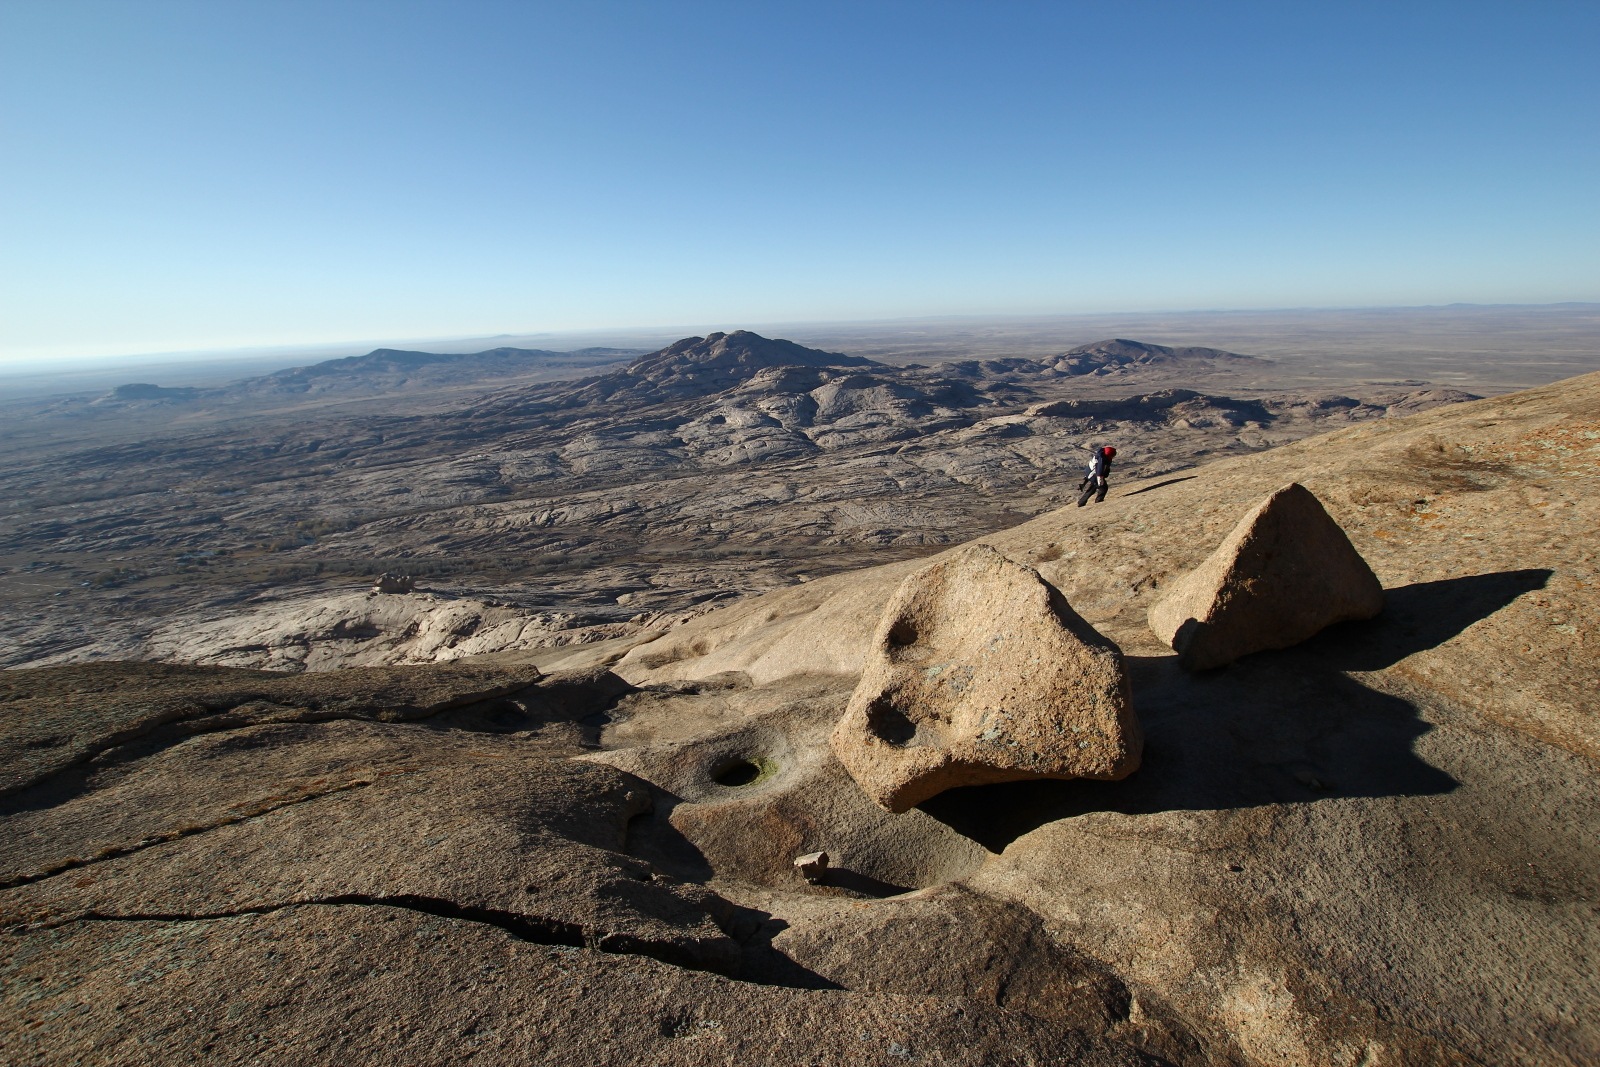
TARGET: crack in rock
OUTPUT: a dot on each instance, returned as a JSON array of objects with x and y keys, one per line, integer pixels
[
  {"x": 537, "y": 929},
  {"x": 188, "y": 831}
]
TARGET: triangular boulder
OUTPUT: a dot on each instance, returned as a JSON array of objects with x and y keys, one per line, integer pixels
[
  {"x": 1284, "y": 573},
  {"x": 980, "y": 672}
]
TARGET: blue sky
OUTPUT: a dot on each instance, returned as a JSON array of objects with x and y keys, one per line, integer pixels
[{"x": 225, "y": 173}]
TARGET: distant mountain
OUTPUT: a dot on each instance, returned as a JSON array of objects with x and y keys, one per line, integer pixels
[
  {"x": 692, "y": 367},
  {"x": 393, "y": 368},
  {"x": 715, "y": 362},
  {"x": 144, "y": 393},
  {"x": 738, "y": 355},
  {"x": 379, "y": 372},
  {"x": 1120, "y": 352}
]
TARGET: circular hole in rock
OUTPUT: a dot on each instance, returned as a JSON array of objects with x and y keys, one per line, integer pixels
[
  {"x": 739, "y": 771},
  {"x": 889, "y": 723},
  {"x": 902, "y": 633}
]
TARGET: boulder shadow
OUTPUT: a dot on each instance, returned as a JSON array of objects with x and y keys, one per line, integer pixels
[
  {"x": 1277, "y": 728},
  {"x": 864, "y": 884},
  {"x": 1421, "y": 616}
]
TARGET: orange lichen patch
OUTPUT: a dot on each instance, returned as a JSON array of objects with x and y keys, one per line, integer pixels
[
  {"x": 1448, "y": 467},
  {"x": 1568, "y": 446}
]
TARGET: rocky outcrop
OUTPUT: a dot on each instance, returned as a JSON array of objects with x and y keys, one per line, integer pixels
[
  {"x": 369, "y": 628},
  {"x": 980, "y": 672},
  {"x": 388, "y": 582},
  {"x": 1286, "y": 572}
]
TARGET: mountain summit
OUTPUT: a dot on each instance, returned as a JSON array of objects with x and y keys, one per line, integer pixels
[
  {"x": 714, "y": 362},
  {"x": 692, "y": 367}
]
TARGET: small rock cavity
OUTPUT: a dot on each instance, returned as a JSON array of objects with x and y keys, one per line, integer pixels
[{"x": 738, "y": 772}]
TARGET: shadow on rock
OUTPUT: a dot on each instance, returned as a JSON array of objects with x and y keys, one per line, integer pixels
[
  {"x": 652, "y": 838},
  {"x": 865, "y": 884},
  {"x": 1421, "y": 616},
  {"x": 766, "y": 965},
  {"x": 1276, "y": 728},
  {"x": 1162, "y": 485}
]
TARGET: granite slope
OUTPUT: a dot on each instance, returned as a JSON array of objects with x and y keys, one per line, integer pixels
[{"x": 1377, "y": 844}]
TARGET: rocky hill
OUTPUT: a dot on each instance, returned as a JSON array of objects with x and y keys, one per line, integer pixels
[
  {"x": 382, "y": 373},
  {"x": 388, "y": 370},
  {"x": 1376, "y": 846},
  {"x": 1117, "y": 354}
]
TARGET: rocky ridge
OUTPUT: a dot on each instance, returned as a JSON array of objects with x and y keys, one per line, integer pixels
[{"x": 383, "y": 371}]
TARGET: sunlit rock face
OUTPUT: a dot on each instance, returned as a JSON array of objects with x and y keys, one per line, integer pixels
[
  {"x": 980, "y": 672},
  {"x": 1284, "y": 574}
]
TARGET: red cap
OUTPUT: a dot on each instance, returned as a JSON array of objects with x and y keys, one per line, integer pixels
[{"x": 1108, "y": 450}]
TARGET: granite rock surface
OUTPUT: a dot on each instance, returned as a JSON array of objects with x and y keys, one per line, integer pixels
[
  {"x": 1284, "y": 574},
  {"x": 980, "y": 672}
]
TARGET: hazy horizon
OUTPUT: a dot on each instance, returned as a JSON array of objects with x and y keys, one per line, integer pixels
[
  {"x": 615, "y": 336},
  {"x": 1570, "y": 330}
]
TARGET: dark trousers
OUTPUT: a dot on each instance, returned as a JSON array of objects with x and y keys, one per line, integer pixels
[{"x": 1093, "y": 487}]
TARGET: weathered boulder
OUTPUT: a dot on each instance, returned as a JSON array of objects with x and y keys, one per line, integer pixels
[
  {"x": 980, "y": 672},
  {"x": 393, "y": 583},
  {"x": 1284, "y": 573}
]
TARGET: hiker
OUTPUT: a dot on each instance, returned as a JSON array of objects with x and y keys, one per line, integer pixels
[{"x": 1094, "y": 483}]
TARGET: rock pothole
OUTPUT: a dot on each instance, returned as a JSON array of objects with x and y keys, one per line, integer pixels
[
  {"x": 741, "y": 772},
  {"x": 738, "y": 800}
]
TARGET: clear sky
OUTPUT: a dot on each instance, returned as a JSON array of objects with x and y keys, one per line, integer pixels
[{"x": 226, "y": 173}]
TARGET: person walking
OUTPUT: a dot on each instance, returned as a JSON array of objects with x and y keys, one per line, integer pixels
[{"x": 1095, "y": 482}]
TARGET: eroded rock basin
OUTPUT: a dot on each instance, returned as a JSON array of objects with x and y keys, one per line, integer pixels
[{"x": 757, "y": 785}]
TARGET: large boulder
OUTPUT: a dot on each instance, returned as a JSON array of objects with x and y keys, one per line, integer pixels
[
  {"x": 1284, "y": 573},
  {"x": 980, "y": 672}
]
